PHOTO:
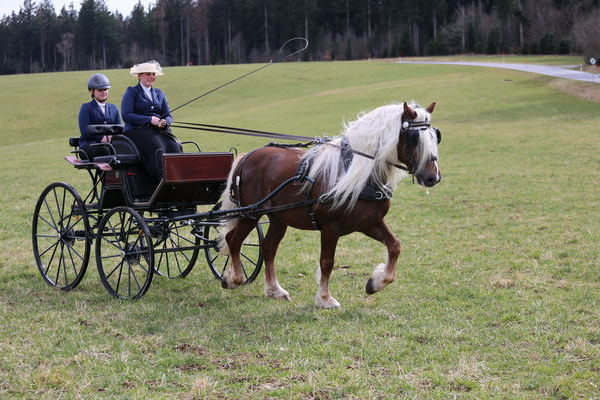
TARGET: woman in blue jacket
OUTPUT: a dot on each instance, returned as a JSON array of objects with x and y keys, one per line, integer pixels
[
  {"x": 98, "y": 111},
  {"x": 147, "y": 118}
]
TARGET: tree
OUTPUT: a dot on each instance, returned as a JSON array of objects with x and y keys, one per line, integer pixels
[
  {"x": 48, "y": 30},
  {"x": 26, "y": 36},
  {"x": 587, "y": 34},
  {"x": 179, "y": 32}
]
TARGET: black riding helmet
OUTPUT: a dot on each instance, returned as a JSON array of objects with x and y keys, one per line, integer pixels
[{"x": 98, "y": 81}]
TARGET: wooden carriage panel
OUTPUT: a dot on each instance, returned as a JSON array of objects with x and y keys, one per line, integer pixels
[
  {"x": 201, "y": 167},
  {"x": 113, "y": 178},
  {"x": 188, "y": 193}
]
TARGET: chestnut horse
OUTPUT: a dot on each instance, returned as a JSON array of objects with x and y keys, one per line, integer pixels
[{"x": 392, "y": 134}]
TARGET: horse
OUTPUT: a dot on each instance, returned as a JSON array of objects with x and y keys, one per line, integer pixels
[{"x": 377, "y": 149}]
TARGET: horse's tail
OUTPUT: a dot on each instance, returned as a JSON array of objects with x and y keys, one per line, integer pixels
[{"x": 227, "y": 204}]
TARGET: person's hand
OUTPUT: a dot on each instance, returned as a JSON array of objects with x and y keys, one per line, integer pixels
[
  {"x": 162, "y": 123},
  {"x": 155, "y": 121}
]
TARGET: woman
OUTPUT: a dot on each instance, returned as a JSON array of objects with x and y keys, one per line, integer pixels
[
  {"x": 98, "y": 111},
  {"x": 147, "y": 118}
]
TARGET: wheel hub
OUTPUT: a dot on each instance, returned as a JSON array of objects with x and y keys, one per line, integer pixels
[
  {"x": 67, "y": 236},
  {"x": 132, "y": 253}
]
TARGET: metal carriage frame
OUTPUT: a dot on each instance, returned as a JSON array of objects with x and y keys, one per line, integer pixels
[{"x": 138, "y": 229}]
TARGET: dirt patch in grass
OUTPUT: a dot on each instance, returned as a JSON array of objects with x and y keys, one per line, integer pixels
[
  {"x": 190, "y": 348},
  {"x": 585, "y": 90}
]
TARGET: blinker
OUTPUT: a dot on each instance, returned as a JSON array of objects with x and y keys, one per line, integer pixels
[
  {"x": 413, "y": 128},
  {"x": 413, "y": 137}
]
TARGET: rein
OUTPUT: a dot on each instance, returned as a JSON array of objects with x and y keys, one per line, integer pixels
[
  {"x": 242, "y": 131},
  {"x": 282, "y": 136}
]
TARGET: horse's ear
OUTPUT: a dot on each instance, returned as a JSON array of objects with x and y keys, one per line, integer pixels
[
  {"x": 409, "y": 112},
  {"x": 430, "y": 108}
]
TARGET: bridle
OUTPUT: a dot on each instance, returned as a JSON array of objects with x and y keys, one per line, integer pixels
[{"x": 412, "y": 131}]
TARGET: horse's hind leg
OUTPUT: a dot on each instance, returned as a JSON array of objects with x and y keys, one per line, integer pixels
[
  {"x": 323, "y": 298},
  {"x": 274, "y": 235},
  {"x": 384, "y": 274},
  {"x": 234, "y": 276}
]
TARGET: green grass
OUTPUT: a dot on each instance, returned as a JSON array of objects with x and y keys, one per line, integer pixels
[{"x": 498, "y": 287}]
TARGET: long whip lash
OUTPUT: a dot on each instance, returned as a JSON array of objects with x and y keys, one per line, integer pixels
[{"x": 278, "y": 58}]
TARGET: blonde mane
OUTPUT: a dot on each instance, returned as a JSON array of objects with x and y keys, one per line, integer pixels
[{"x": 375, "y": 133}]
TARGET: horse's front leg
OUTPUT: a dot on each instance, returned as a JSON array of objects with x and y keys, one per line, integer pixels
[
  {"x": 270, "y": 244},
  {"x": 384, "y": 274},
  {"x": 329, "y": 241},
  {"x": 234, "y": 276}
]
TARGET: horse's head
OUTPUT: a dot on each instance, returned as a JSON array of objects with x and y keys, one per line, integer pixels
[{"x": 418, "y": 144}]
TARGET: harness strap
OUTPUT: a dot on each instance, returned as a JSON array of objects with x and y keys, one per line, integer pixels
[
  {"x": 360, "y": 153},
  {"x": 302, "y": 175},
  {"x": 236, "y": 180}
]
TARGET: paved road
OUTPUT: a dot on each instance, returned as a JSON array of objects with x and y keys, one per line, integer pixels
[{"x": 557, "y": 71}]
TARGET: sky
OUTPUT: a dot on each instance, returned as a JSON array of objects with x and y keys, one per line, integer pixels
[{"x": 123, "y": 6}]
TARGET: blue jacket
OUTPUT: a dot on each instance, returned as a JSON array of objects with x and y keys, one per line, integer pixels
[
  {"x": 137, "y": 108},
  {"x": 91, "y": 114}
]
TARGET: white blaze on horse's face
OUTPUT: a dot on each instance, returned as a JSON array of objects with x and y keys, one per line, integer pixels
[
  {"x": 424, "y": 150},
  {"x": 428, "y": 171}
]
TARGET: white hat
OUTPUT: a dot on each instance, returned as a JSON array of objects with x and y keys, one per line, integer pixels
[{"x": 149, "y": 66}]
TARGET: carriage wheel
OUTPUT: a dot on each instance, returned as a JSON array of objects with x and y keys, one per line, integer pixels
[
  {"x": 251, "y": 251},
  {"x": 175, "y": 248},
  {"x": 61, "y": 236},
  {"x": 124, "y": 253}
]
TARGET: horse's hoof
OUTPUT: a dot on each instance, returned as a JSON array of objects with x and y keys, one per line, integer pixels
[
  {"x": 330, "y": 303},
  {"x": 370, "y": 288},
  {"x": 228, "y": 285},
  {"x": 285, "y": 297},
  {"x": 280, "y": 296}
]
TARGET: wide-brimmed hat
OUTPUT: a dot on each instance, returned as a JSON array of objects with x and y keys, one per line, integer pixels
[{"x": 148, "y": 66}]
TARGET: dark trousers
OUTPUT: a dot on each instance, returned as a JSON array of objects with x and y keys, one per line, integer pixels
[{"x": 152, "y": 144}]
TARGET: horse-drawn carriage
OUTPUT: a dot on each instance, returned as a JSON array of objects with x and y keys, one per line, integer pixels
[{"x": 139, "y": 228}]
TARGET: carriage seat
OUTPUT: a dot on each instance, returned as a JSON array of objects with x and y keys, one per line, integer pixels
[
  {"x": 124, "y": 153},
  {"x": 96, "y": 130}
]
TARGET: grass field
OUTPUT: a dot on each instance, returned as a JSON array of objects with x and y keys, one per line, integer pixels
[{"x": 498, "y": 291}]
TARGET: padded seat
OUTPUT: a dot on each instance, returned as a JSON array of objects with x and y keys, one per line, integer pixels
[{"x": 119, "y": 159}]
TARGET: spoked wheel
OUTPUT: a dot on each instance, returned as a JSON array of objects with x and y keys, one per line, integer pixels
[
  {"x": 124, "y": 254},
  {"x": 251, "y": 251},
  {"x": 175, "y": 248},
  {"x": 61, "y": 236}
]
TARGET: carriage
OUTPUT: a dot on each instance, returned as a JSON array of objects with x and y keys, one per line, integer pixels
[{"x": 138, "y": 228}]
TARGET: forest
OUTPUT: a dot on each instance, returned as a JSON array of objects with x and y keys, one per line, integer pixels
[{"x": 196, "y": 32}]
